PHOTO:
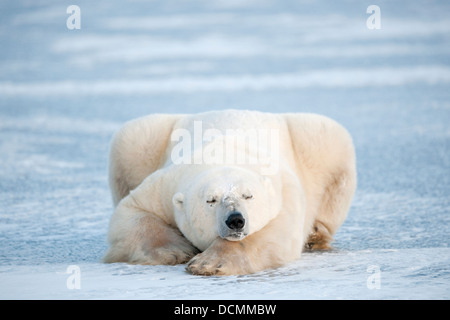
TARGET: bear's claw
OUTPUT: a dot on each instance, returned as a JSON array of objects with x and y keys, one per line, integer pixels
[{"x": 319, "y": 238}]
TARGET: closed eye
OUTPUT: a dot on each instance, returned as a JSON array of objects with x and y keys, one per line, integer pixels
[
  {"x": 211, "y": 201},
  {"x": 247, "y": 196}
]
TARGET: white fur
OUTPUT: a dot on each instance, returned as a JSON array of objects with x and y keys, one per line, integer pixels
[{"x": 298, "y": 184}]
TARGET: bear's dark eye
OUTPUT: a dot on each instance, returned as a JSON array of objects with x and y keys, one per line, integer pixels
[
  {"x": 211, "y": 201},
  {"x": 247, "y": 196}
]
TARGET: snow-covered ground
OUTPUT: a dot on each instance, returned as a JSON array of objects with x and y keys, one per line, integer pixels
[{"x": 64, "y": 92}]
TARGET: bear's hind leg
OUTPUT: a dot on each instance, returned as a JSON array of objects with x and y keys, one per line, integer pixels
[{"x": 332, "y": 210}]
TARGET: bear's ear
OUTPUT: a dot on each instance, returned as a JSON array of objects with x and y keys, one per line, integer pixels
[
  {"x": 268, "y": 185},
  {"x": 267, "y": 182},
  {"x": 178, "y": 200}
]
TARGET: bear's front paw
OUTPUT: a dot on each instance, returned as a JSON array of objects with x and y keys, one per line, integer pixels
[
  {"x": 172, "y": 250},
  {"x": 206, "y": 265},
  {"x": 223, "y": 257},
  {"x": 169, "y": 255},
  {"x": 168, "y": 248}
]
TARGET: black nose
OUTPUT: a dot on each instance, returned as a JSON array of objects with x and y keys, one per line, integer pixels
[{"x": 235, "y": 221}]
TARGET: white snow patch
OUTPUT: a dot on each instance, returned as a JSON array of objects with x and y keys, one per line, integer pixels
[{"x": 423, "y": 274}]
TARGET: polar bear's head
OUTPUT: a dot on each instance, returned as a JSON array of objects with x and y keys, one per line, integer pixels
[{"x": 226, "y": 202}]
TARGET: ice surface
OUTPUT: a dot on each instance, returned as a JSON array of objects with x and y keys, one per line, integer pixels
[{"x": 64, "y": 92}]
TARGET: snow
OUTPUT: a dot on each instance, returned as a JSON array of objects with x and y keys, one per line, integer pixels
[
  {"x": 64, "y": 92},
  {"x": 334, "y": 275}
]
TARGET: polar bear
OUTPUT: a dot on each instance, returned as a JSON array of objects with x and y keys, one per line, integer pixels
[{"x": 227, "y": 192}]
